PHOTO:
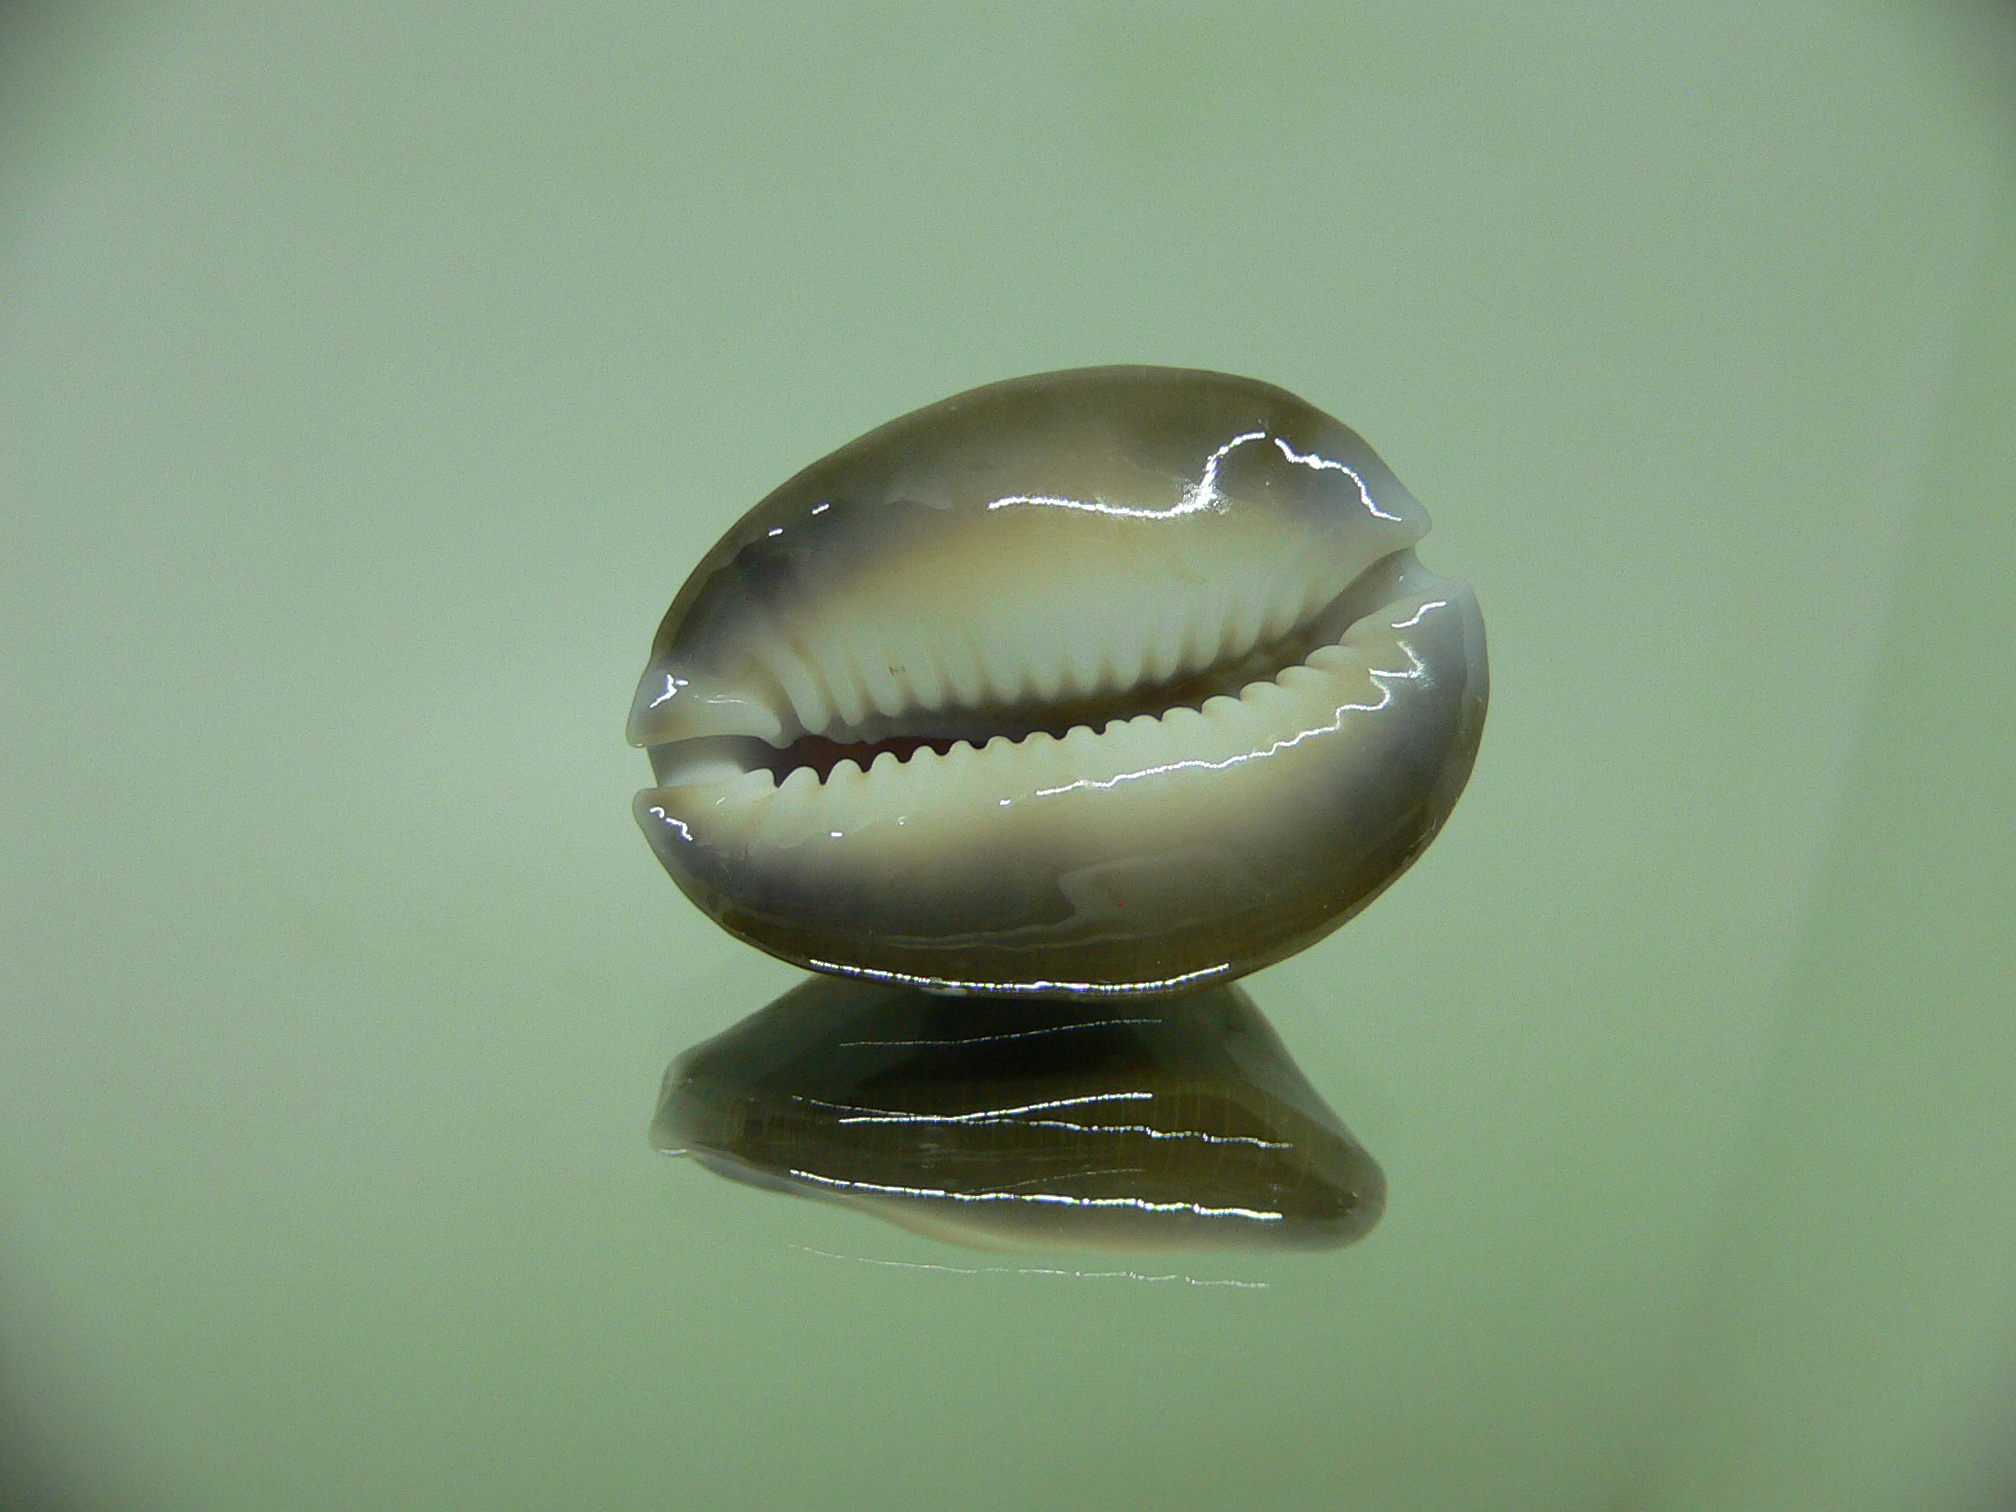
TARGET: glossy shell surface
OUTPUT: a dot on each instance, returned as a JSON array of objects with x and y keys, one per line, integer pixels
[{"x": 1109, "y": 681}]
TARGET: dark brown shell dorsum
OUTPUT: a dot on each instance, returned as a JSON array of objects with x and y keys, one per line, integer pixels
[{"x": 1116, "y": 680}]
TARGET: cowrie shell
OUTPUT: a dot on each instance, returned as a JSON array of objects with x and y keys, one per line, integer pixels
[{"x": 1109, "y": 681}]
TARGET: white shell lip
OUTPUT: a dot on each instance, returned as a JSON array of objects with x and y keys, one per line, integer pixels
[{"x": 1113, "y": 681}]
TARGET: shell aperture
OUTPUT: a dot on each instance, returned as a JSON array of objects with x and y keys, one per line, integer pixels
[{"x": 1109, "y": 681}]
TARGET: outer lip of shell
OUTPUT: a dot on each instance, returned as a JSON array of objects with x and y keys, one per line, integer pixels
[
  {"x": 1141, "y": 848},
  {"x": 1176, "y": 1125}
]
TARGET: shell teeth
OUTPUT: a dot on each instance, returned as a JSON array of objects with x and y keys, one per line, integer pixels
[
  {"x": 1045, "y": 756},
  {"x": 1162, "y": 646},
  {"x": 997, "y": 756},
  {"x": 842, "y": 680},
  {"x": 1201, "y": 735},
  {"x": 1113, "y": 676},
  {"x": 1125, "y": 663},
  {"x": 1081, "y": 666},
  {"x": 1331, "y": 658},
  {"x": 923, "y": 767},
  {"x": 1242, "y": 621},
  {"x": 962, "y": 676},
  {"x": 841, "y": 793},
  {"x": 1300, "y": 677},
  {"x": 1203, "y": 636},
  {"x": 1045, "y": 677},
  {"x": 879, "y": 675},
  {"x": 918, "y": 672},
  {"x": 1128, "y": 742},
  {"x": 1077, "y": 741},
  {"x": 786, "y": 819},
  {"x": 1284, "y": 607},
  {"x": 926, "y": 671},
  {"x": 1003, "y": 676},
  {"x": 1264, "y": 694},
  {"x": 808, "y": 703}
]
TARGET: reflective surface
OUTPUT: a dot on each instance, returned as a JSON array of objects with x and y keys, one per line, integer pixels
[
  {"x": 1180, "y": 1124},
  {"x": 1104, "y": 681}
]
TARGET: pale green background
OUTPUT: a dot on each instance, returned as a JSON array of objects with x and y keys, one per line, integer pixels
[{"x": 370, "y": 377}]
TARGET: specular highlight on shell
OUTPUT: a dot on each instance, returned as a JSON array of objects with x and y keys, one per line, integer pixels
[{"x": 1116, "y": 680}]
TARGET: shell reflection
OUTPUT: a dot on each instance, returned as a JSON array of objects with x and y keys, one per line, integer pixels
[{"x": 1178, "y": 1123}]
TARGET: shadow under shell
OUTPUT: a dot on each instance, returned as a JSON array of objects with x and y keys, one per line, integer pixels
[{"x": 1173, "y": 1124}]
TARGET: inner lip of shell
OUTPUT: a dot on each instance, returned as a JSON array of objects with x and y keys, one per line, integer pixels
[{"x": 976, "y": 724}]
